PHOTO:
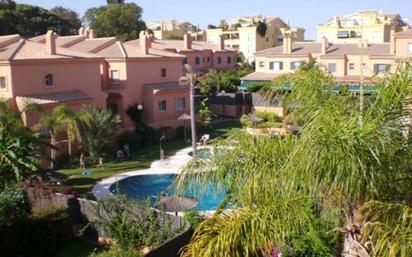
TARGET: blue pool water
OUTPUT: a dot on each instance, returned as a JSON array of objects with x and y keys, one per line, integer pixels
[{"x": 144, "y": 186}]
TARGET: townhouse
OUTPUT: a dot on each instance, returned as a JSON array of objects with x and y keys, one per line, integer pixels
[
  {"x": 249, "y": 34},
  {"x": 373, "y": 26},
  {"x": 172, "y": 29},
  {"x": 348, "y": 62},
  {"x": 83, "y": 70}
]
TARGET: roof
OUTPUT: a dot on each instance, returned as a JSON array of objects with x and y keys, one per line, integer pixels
[
  {"x": 132, "y": 49},
  {"x": 306, "y": 48},
  {"x": 28, "y": 50},
  {"x": 178, "y": 45},
  {"x": 9, "y": 39},
  {"x": 166, "y": 86},
  {"x": 52, "y": 98},
  {"x": 259, "y": 76},
  {"x": 93, "y": 45},
  {"x": 406, "y": 33}
]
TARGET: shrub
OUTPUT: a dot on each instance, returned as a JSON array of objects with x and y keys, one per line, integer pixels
[
  {"x": 130, "y": 223},
  {"x": 14, "y": 205},
  {"x": 256, "y": 86},
  {"x": 131, "y": 138},
  {"x": 147, "y": 134},
  {"x": 117, "y": 252},
  {"x": 269, "y": 116},
  {"x": 40, "y": 235},
  {"x": 192, "y": 217}
]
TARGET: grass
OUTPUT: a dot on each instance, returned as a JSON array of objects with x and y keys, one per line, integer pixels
[
  {"x": 140, "y": 159},
  {"x": 78, "y": 248}
]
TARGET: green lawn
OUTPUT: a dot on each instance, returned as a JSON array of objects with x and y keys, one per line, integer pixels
[
  {"x": 78, "y": 248},
  {"x": 141, "y": 159}
]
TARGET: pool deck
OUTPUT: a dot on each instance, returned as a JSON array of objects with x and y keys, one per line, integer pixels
[{"x": 170, "y": 165}]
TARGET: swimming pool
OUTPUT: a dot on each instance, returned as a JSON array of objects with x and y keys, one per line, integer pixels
[{"x": 143, "y": 186}]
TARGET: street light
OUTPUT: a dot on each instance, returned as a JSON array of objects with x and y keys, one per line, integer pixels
[
  {"x": 190, "y": 79},
  {"x": 140, "y": 107}
]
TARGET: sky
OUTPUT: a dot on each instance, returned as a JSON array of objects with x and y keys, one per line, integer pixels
[{"x": 300, "y": 13}]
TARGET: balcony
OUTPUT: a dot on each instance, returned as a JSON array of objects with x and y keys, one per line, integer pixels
[{"x": 115, "y": 87}]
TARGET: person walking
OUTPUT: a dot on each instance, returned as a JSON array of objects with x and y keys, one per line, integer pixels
[{"x": 101, "y": 163}]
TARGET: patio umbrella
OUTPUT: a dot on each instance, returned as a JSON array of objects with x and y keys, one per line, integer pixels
[
  {"x": 184, "y": 117},
  {"x": 176, "y": 203}
]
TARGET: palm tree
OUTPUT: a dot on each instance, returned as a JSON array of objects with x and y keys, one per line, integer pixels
[
  {"x": 96, "y": 129},
  {"x": 53, "y": 124},
  {"x": 356, "y": 179},
  {"x": 69, "y": 119}
]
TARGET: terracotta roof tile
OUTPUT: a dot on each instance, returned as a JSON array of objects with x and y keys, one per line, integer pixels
[
  {"x": 179, "y": 45},
  {"x": 132, "y": 49},
  {"x": 259, "y": 76},
  {"x": 9, "y": 39},
  {"x": 51, "y": 98},
  {"x": 93, "y": 45},
  {"x": 305, "y": 48},
  {"x": 406, "y": 33},
  {"x": 28, "y": 50}
]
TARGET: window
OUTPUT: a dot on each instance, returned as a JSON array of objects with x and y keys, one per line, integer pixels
[
  {"x": 163, "y": 73},
  {"x": 204, "y": 59},
  {"x": 229, "y": 60},
  {"x": 410, "y": 48},
  {"x": 48, "y": 80},
  {"x": 261, "y": 64},
  {"x": 184, "y": 61},
  {"x": 277, "y": 66},
  {"x": 197, "y": 60},
  {"x": 114, "y": 75},
  {"x": 295, "y": 65},
  {"x": 376, "y": 36},
  {"x": 380, "y": 68},
  {"x": 181, "y": 104},
  {"x": 208, "y": 59},
  {"x": 2, "y": 82},
  {"x": 332, "y": 67},
  {"x": 219, "y": 60},
  {"x": 162, "y": 106},
  {"x": 351, "y": 66},
  {"x": 343, "y": 34}
]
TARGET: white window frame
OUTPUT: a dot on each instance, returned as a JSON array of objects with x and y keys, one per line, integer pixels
[
  {"x": 3, "y": 83},
  {"x": 115, "y": 75},
  {"x": 261, "y": 64},
  {"x": 181, "y": 104},
  {"x": 276, "y": 66}
]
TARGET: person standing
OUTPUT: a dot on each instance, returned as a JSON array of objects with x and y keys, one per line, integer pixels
[
  {"x": 101, "y": 163},
  {"x": 126, "y": 150},
  {"x": 82, "y": 161}
]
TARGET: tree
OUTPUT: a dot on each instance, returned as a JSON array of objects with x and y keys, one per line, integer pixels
[
  {"x": 261, "y": 28},
  {"x": 29, "y": 20},
  {"x": 96, "y": 130},
  {"x": 70, "y": 21},
  {"x": 122, "y": 21},
  {"x": 223, "y": 24},
  {"x": 21, "y": 150},
  {"x": 355, "y": 178}
]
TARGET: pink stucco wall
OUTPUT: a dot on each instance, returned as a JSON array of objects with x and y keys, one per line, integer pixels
[{"x": 85, "y": 75}]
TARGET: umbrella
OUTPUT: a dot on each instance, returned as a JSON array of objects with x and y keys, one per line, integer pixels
[
  {"x": 176, "y": 203},
  {"x": 184, "y": 117}
]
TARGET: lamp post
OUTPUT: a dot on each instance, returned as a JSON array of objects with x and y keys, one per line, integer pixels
[{"x": 190, "y": 79}]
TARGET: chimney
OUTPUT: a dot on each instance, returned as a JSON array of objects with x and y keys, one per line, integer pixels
[
  {"x": 392, "y": 42},
  {"x": 187, "y": 40},
  {"x": 221, "y": 42},
  {"x": 287, "y": 43},
  {"x": 86, "y": 32},
  {"x": 91, "y": 34},
  {"x": 144, "y": 42},
  {"x": 325, "y": 45},
  {"x": 81, "y": 31},
  {"x": 51, "y": 42}
]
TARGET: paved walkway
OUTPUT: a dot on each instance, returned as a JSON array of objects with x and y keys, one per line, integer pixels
[{"x": 169, "y": 165}]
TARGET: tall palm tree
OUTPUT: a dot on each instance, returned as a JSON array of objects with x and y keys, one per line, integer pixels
[
  {"x": 53, "y": 124},
  {"x": 96, "y": 129},
  {"x": 355, "y": 178},
  {"x": 69, "y": 120}
]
